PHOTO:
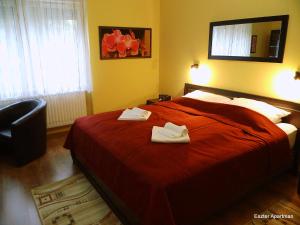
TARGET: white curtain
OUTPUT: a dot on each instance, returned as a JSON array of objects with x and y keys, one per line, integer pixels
[
  {"x": 43, "y": 48},
  {"x": 232, "y": 40}
]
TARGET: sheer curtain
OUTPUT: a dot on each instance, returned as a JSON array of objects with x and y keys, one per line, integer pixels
[
  {"x": 232, "y": 40},
  {"x": 43, "y": 48}
]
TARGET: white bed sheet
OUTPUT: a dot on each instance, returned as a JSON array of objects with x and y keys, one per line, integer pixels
[{"x": 291, "y": 132}]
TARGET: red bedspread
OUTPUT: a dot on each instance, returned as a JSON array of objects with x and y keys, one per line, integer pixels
[{"x": 232, "y": 149}]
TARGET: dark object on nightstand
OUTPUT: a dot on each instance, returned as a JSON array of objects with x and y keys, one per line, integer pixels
[
  {"x": 23, "y": 129},
  {"x": 159, "y": 99},
  {"x": 164, "y": 97}
]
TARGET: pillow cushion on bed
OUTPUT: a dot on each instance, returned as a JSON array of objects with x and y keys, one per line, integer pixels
[
  {"x": 209, "y": 97},
  {"x": 291, "y": 132},
  {"x": 273, "y": 113}
]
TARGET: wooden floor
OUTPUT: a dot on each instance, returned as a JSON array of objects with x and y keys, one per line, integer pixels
[
  {"x": 16, "y": 203},
  {"x": 17, "y": 207}
]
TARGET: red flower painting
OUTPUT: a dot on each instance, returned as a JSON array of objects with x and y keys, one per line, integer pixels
[{"x": 125, "y": 42}]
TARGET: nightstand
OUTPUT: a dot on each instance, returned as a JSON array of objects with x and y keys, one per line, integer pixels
[{"x": 162, "y": 98}]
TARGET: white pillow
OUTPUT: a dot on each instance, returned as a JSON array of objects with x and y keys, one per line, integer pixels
[
  {"x": 273, "y": 113},
  {"x": 206, "y": 96},
  {"x": 291, "y": 132}
]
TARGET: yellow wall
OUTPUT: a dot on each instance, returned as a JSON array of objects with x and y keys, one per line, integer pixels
[
  {"x": 184, "y": 39},
  {"x": 126, "y": 82}
]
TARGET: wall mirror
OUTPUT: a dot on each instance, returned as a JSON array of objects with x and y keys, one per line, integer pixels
[{"x": 255, "y": 39}]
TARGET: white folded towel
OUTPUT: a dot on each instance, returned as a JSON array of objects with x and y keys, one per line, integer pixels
[
  {"x": 170, "y": 133},
  {"x": 173, "y": 130},
  {"x": 135, "y": 114},
  {"x": 139, "y": 112}
]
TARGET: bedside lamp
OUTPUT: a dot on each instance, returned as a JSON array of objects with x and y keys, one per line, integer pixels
[
  {"x": 195, "y": 66},
  {"x": 297, "y": 75},
  {"x": 194, "y": 69},
  {"x": 200, "y": 74}
]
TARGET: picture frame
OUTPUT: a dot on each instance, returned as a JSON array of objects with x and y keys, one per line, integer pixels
[
  {"x": 125, "y": 42},
  {"x": 253, "y": 44}
]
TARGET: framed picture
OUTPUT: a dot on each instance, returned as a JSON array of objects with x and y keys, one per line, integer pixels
[
  {"x": 124, "y": 42},
  {"x": 253, "y": 43}
]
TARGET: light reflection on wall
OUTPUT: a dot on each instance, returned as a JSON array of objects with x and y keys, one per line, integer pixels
[
  {"x": 286, "y": 87},
  {"x": 201, "y": 75}
]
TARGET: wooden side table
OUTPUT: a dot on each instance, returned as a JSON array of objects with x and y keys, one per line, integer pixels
[{"x": 154, "y": 100}]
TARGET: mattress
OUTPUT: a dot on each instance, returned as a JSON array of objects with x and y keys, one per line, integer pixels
[{"x": 291, "y": 132}]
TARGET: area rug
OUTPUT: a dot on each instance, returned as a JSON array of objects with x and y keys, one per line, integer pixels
[
  {"x": 72, "y": 201},
  {"x": 282, "y": 213}
]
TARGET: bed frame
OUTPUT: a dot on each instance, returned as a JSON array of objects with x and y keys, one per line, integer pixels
[{"x": 126, "y": 216}]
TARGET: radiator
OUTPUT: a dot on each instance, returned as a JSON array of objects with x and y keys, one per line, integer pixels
[{"x": 62, "y": 109}]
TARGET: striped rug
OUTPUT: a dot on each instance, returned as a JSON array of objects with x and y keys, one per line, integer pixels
[
  {"x": 281, "y": 213},
  {"x": 72, "y": 201}
]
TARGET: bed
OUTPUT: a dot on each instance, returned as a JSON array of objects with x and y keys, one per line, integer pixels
[{"x": 181, "y": 184}]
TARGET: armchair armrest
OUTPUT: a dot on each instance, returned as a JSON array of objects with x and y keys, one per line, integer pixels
[
  {"x": 29, "y": 135},
  {"x": 33, "y": 119},
  {"x": 26, "y": 118},
  {"x": 6, "y": 117}
]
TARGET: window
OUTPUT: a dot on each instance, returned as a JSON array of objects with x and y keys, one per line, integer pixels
[{"x": 43, "y": 48}]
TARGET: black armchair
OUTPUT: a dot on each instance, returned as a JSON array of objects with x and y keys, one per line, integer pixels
[{"x": 23, "y": 129}]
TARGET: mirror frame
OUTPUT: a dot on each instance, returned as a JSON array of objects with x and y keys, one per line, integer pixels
[{"x": 284, "y": 25}]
